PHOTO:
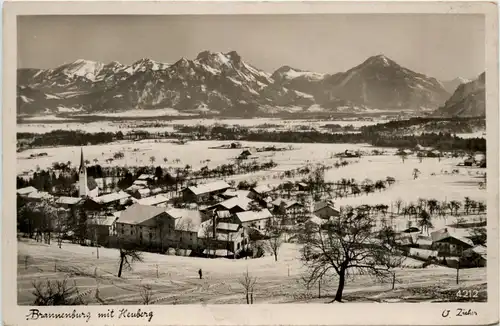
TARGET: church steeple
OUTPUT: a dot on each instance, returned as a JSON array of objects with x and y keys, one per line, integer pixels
[
  {"x": 82, "y": 177},
  {"x": 82, "y": 163}
]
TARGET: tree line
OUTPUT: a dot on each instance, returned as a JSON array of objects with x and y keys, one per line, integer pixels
[{"x": 375, "y": 136}]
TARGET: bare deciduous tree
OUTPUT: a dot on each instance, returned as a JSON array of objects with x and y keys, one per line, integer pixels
[
  {"x": 345, "y": 246},
  {"x": 127, "y": 258},
  {"x": 248, "y": 283},
  {"x": 275, "y": 240}
]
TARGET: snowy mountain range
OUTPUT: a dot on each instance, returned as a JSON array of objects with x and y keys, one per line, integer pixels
[
  {"x": 223, "y": 83},
  {"x": 469, "y": 100}
]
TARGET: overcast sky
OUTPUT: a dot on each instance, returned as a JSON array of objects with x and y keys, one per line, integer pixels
[{"x": 441, "y": 46}]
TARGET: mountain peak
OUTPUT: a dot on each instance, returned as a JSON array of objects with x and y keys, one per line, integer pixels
[
  {"x": 233, "y": 55},
  {"x": 379, "y": 59}
]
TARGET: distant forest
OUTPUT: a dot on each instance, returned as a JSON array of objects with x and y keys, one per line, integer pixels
[{"x": 382, "y": 135}]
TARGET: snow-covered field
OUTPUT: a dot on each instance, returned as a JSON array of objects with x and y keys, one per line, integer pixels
[
  {"x": 177, "y": 281},
  {"x": 125, "y": 126},
  {"x": 432, "y": 182}
]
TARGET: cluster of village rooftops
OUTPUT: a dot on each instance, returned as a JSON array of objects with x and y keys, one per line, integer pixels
[{"x": 143, "y": 215}]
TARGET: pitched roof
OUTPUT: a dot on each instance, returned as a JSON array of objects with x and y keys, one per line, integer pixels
[
  {"x": 108, "y": 198},
  {"x": 140, "y": 182},
  {"x": 445, "y": 234},
  {"x": 39, "y": 195},
  {"x": 228, "y": 226},
  {"x": 68, "y": 200},
  {"x": 146, "y": 176},
  {"x": 254, "y": 215},
  {"x": 262, "y": 189},
  {"x": 316, "y": 220},
  {"x": 242, "y": 202},
  {"x": 186, "y": 219},
  {"x": 138, "y": 213},
  {"x": 152, "y": 201},
  {"x": 480, "y": 250},
  {"x": 144, "y": 191},
  {"x": 288, "y": 203},
  {"x": 209, "y": 187},
  {"x": 322, "y": 204},
  {"x": 26, "y": 190}
]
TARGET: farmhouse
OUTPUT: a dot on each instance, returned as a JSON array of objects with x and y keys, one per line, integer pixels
[
  {"x": 246, "y": 154},
  {"x": 256, "y": 219},
  {"x": 302, "y": 186},
  {"x": 259, "y": 192},
  {"x": 186, "y": 225},
  {"x": 203, "y": 192},
  {"x": 233, "y": 205},
  {"x": 325, "y": 210},
  {"x": 139, "y": 224},
  {"x": 102, "y": 228},
  {"x": 469, "y": 161},
  {"x": 449, "y": 244},
  {"x": 285, "y": 206},
  {"x": 68, "y": 202},
  {"x": 111, "y": 200},
  {"x": 230, "y": 193},
  {"x": 26, "y": 191},
  {"x": 38, "y": 196},
  {"x": 474, "y": 257},
  {"x": 147, "y": 177}
]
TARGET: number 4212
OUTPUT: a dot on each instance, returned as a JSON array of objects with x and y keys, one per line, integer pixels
[{"x": 467, "y": 293}]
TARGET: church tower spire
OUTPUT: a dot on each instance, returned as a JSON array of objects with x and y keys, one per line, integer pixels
[{"x": 82, "y": 177}]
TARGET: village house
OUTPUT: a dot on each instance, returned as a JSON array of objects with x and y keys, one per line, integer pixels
[
  {"x": 245, "y": 154},
  {"x": 186, "y": 225},
  {"x": 255, "y": 219},
  {"x": 449, "y": 244},
  {"x": 350, "y": 154},
  {"x": 230, "y": 193},
  {"x": 102, "y": 228},
  {"x": 38, "y": 196},
  {"x": 201, "y": 193},
  {"x": 109, "y": 201},
  {"x": 229, "y": 238},
  {"x": 325, "y": 210},
  {"x": 302, "y": 186},
  {"x": 68, "y": 202},
  {"x": 474, "y": 257},
  {"x": 149, "y": 178},
  {"x": 143, "y": 225},
  {"x": 260, "y": 192},
  {"x": 288, "y": 207},
  {"x": 233, "y": 205},
  {"x": 23, "y": 192}
]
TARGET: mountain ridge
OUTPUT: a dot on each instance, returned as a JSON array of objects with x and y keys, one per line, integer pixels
[{"x": 223, "y": 83}]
